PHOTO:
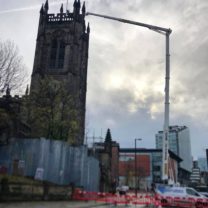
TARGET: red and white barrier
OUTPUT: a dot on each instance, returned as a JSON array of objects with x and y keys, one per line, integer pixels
[{"x": 141, "y": 199}]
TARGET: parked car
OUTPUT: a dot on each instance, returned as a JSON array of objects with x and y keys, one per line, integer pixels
[
  {"x": 202, "y": 190},
  {"x": 122, "y": 189}
]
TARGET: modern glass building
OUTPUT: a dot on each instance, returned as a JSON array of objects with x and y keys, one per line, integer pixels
[
  {"x": 202, "y": 164},
  {"x": 180, "y": 144}
]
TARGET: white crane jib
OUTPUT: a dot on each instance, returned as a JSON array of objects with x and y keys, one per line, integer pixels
[{"x": 166, "y": 32}]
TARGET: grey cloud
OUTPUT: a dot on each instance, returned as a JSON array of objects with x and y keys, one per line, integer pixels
[
  {"x": 188, "y": 60},
  {"x": 136, "y": 57}
]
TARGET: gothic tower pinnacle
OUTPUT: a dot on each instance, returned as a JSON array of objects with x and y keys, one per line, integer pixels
[
  {"x": 46, "y": 7},
  {"x": 83, "y": 9}
]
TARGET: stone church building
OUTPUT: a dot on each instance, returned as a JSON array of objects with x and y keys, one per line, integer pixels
[{"x": 55, "y": 105}]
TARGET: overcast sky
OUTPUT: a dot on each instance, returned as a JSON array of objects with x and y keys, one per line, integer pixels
[{"x": 126, "y": 71}]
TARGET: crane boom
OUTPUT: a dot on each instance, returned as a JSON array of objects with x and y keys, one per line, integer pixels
[
  {"x": 151, "y": 27},
  {"x": 166, "y": 32}
]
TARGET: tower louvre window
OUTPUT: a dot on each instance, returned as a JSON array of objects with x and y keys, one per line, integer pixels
[
  {"x": 57, "y": 54},
  {"x": 61, "y": 55},
  {"x": 53, "y": 54}
]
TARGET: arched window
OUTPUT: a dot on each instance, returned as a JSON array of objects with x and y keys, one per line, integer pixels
[{"x": 57, "y": 54}]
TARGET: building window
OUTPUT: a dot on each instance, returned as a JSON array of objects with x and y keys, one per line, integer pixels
[{"x": 57, "y": 54}]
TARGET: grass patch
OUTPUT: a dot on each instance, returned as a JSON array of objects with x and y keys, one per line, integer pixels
[{"x": 19, "y": 179}]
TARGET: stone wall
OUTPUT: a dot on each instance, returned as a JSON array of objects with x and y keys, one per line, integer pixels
[{"x": 23, "y": 192}]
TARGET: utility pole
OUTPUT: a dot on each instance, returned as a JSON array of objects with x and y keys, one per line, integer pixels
[{"x": 166, "y": 32}]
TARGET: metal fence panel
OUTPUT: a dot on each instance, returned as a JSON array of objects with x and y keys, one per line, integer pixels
[{"x": 57, "y": 161}]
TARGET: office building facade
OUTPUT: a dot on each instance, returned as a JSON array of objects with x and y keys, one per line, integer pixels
[
  {"x": 179, "y": 143},
  {"x": 141, "y": 167}
]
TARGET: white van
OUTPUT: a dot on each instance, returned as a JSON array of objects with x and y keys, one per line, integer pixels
[{"x": 184, "y": 195}]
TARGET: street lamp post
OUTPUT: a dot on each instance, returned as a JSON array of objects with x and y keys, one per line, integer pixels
[{"x": 135, "y": 164}]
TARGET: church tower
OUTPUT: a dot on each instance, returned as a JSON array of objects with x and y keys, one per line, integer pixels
[{"x": 61, "y": 56}]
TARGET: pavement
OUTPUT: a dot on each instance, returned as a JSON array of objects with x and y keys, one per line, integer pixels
[
  {"x": 60, "y": 204},
  {"x": 51, "y": 204}
]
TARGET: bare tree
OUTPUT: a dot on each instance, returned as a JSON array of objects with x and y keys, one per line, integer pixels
[{"x": 12, "y": 69}]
